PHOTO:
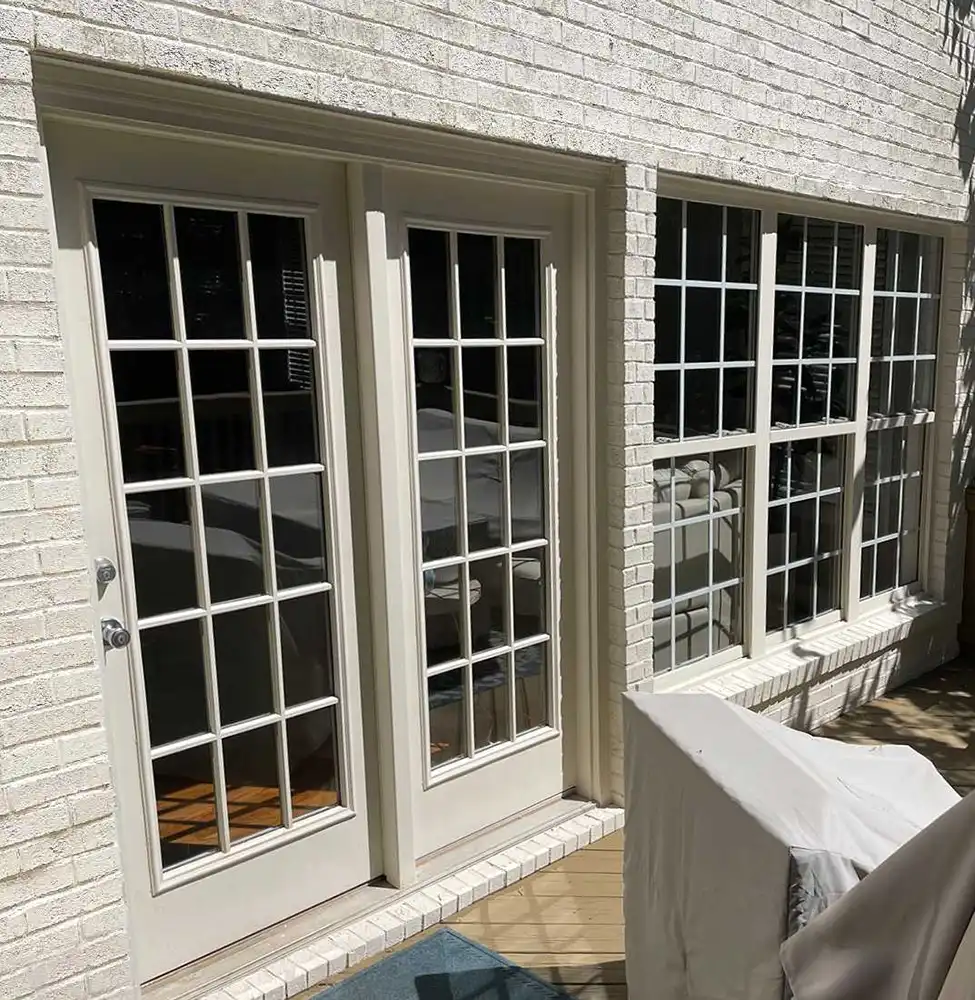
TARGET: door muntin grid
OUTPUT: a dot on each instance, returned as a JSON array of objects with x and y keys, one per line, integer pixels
[
  {"x": 482, "y": 354},
  {"x": 215, "y": 373}
]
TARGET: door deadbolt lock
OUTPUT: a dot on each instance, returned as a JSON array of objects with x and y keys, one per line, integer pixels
[
  {"x": 114, "y": 634},
  {"x": 105, "y": 571}
]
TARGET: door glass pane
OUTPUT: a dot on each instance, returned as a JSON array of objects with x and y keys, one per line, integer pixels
[
  {"x": 446, "y": 699},
  {"x": 277, "y": 246},
  {"x": 161, "y": 534},
  {"x": 482, "y": 396},
  {"x": 306, "y": 649},
  {"x": 477, "y": 274},
  {"x": 250, "y": 762},
  {"x": 185, "y": 805},
  {"x": 531, "y": 687},
  {"x": 439, "y": 516},
  {"x": 243, "y": 654},
  {"x": 488, "y": 581},
  {"x": 313, "y": 762},
  {"x": 210, "y": 279},
  {"x": 490, "y": 702},
  {"x": 436, "y": 405},
  {"x": 134, "y": 267},
  {"x": 485, "y": 501},
  {"x": 430, "y": 283},
  {"x": 298, "y": 522},
  {"x": 522, "y": 287},
  {"x": 234, "y": 540},
  {"x": 290, "y": 422},
  {"x": 221, "y": 387},
  {"x": 147, "y": 403},
  {"x": 174, "y": 676}
]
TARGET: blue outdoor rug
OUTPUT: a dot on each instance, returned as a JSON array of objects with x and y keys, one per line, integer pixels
[{"x": 444, "y": 966}]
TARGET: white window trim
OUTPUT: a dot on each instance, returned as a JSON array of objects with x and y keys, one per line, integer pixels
[{"x": 759, "y": 647}]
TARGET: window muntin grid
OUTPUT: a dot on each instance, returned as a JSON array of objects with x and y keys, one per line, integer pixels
[
  {"x": 706, "y": 307},
  {"x": 805, "y": 531},
  {"x": 481, "y": 354},
  {"x": 698, "y": 557},
  {"x": 215, "y": 371},
  {"x": 891, "y": 509},
  {"x": 816, "y": 324},
  {"x": 903, "y": 348}
]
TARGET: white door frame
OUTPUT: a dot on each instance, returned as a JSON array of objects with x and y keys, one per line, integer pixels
[{"x": 118, "y": 100}]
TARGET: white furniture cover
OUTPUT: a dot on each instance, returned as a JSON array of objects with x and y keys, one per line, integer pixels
[
  {"x": 906, "y": 932},
  {"x": 739, "y": 831}
]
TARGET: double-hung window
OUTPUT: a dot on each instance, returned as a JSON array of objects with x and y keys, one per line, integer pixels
[{"x": 794, "y": 393}]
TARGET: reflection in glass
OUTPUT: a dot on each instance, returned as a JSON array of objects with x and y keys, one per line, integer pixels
[
  {"x": 666, "y": 312},
  {"x": 528, "y": 593},
  {"x": 819, "y": 252},
  {"x": 489, "y": 603},
  {"x": 813, "y": 393},
  {"x": 185, "y": 805},
  {"x": 243, "y": 656},
  {"x": 702, "y": 334},
  {"x": 134, "y": 268},
  {"x": 785, "y": 337},
  {"x": 146, "y": 388},
  {"x": 524, "y": 394},
  {"x": 905, "y": 326},
  {"x": 866, "y": 572},
  {"x": 663, "y": 647},
  {"x": 429, "y": 251},
  {"x": 290, "y": 422},
  {"x": 666, "y": 398},
  {"x": 739, "y": 324},
  {"x": 789, "y": 250},
  {"x": 436, "y": 415},
  {"x": 439, "y": 515},
  {"x": 726, "y": 620},
  {"x": 222, "y": 410},
  {"x": 909, "y": 262},
  {"x": 313, "y": 762},
  {"x": 742, "y": 227},
  {"x": 175, "y": 681},
  {"x": 485, "y": 501},
  {"x": 668, "y": 247},
  {"x": 735, "y": 417},
  {"x": 775, "y": 602},
  {"x": 209, "y": 264},
  {"x": 700, "y": 402},
  {"x": 927, "y": 329},
  {"x": 704, "y": 232},
  {"x": 726, "y": 549},
  {"x": 298, "y": 522},
  {"x": 162, "y": 551},
  {"x": 691, "y": 556},
  {"x": 250, "y": 763},
  {"x": 527, "y": 494},
  {"x": 476, "y": 269},
  {"x": 490, "y": 679},
  {"x": 448, "y": 728},
  {"x": 277, "y": 248},
  {"x": 522, "y": 286},
  {"x": 445, "y": 599},
  {"x": 531, "y": 687},
  {"x": 482, "y": 396},
  {"x": 661, "y": 564},
  {"x": 306, "y": 648},
  {"x": 234, "y": 540},
  {"x": 886, "y": 557}
]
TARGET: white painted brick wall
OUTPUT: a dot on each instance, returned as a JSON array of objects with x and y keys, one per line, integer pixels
[{"x": 854, "y": 101}]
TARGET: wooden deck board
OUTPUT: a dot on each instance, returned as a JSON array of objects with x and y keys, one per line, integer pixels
[{"x": 565, "y": 923}]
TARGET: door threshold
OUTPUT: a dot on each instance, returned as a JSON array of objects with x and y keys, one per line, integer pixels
[{"x": 306, "y": 949}]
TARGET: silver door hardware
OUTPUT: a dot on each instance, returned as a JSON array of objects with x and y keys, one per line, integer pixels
[
  {"x": 114, "y": 634},
  {"x": 104, "y": 570}
]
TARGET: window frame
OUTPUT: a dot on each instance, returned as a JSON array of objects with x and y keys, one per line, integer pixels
[{"x": 756, "y": 642}]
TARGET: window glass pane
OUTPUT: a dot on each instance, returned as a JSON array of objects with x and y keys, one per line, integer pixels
[
  {"x": 669, "y": 229},
  {"x": 704, "y": 238},
  {"x": 667, "y": 313},
  {"x": 277, "y": 247},
  {"x": 742, "y": 254},
  {"x": 290, "y": 420},
  {"x": 788, "y": 310},
  {"x": 522, "y": 287},
  {"x": 805, "y": 530}
]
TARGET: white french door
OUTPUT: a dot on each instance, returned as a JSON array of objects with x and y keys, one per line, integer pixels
[
  {"x": 480, "y": 270},
  {"x": 204, "y": 291}
]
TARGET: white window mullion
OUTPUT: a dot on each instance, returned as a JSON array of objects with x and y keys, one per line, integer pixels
[
  {"x": 857, "y": 451},
  {"x": 756, "y": 507}
]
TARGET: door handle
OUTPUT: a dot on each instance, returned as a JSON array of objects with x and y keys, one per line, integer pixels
[{"x": 114, "y": 634}]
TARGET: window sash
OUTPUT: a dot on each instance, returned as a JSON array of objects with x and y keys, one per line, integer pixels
[{"x": 757, "y": 642}]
